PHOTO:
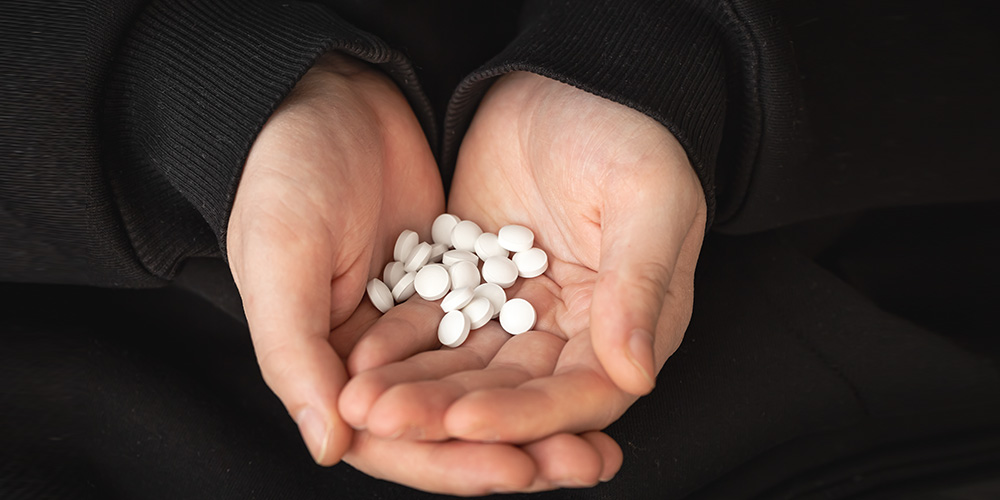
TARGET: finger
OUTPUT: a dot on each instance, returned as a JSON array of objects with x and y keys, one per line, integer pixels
[
  {"x": 641, "y": 237},
  {"x": 286, "y": 293},
  {"x": 565, "y": 461},
  {"x": 403, "y": 331},
  {"x": 575, "y": 399},
  {"x": 452, "y": 467},
  {"x": 416, "y": 410},
  {"x": 611, "y": 454},
  {"x": 365, "y": 388}
]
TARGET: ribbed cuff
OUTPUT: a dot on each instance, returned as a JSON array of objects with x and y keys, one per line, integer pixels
[
  {"x": 662, "y": 58},
  {"x": 192, "y": 87}
]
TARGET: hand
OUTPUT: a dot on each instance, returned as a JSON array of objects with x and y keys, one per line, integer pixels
[
  {"x": 338, "y": 171},
  {"x": 614, "y": 201},
  {"x": 340, "y": 168},
  {"x": 406, "y": 334}
]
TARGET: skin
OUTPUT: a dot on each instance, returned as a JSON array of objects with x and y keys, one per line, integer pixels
[
  {"x": 338, "y": 171},
  {"x": 614, "y": 202}
]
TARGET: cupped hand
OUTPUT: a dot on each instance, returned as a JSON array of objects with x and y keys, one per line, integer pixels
[
  {"x": 337, "y": 172},
  {"x": 339, "y": 169},
  {"x": 613, "y": 200},
  {"x": 407, "y": 334}
]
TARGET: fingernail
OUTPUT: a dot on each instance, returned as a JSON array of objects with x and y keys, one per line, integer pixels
[
  {"x": 572, "y": 483},
  {"x": 640, "y": 346},
  {"x": 313, "y": 428}
]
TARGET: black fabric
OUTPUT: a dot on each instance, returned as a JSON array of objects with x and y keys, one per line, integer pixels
[
  {"x": 789, "y": 384},
  {"x": 194, "y": 83},
  {"x": 662, "y": 58},
  {"x": 834, "y": 351}
]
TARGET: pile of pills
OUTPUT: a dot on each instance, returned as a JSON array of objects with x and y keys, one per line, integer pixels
[{"x": 468, "y": 271}]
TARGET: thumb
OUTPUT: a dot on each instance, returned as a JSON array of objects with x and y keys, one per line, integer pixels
[
  {"x": 641, "y": 237},
  {"x": 286, "y": 288}
]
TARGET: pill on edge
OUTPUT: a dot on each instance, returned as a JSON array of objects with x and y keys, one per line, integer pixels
[
  {"x": 442, "y": 227},
  {"x": 453, "y": 256},
  {"x": 464, "y": 235},
  {"x": 479, "y": 311},
  {"x": 392, "y": 273},
  {"x": 418, "y": 257},
  {"x": 380, "y": 295},
  {"x": 495, "y": 293},
  {"x": 457, "y": 299},
  {"x": 404, "y": 245},
  {"x": 437, "y": 252},
  {"x": 404, "y": 289},
  {"x": 453, "y": 329},
  {"x": 464, "y": 274},
  {"x": 487, "y": 246}
]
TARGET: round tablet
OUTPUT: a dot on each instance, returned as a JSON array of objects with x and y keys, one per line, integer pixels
[
  {"x": 452, "y": 256},
  {"x": 464, "y": 274},
  {"x": 418, "y": 257},
  {"x": 432, "y": 282},
  {"x": 404, "y": 289},
  {"x": 392, "y": 273},
  {"x": 442, "y": 227},
  {"x": 517, "y": 316},
  {"x": 437, "y": 252},
  {"x": 494, "y": 294},
  {"x": 487, "y": 246},
  {"x": 500, "y": 270},
  {"x": 515, "y": 238},
  {"x": 380, "y": 295},
  {"x": 453, "y": 329},
  {"x": 479, "y": 311},
  {"x": 404, "y": 245},
  {"x": 457, "y": 299},
  {"x": 464, "y": 236},
  {"x": 531, "y": 263}
]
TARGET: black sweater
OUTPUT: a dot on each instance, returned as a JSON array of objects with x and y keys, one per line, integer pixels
[{"x": 124, "y": 124}]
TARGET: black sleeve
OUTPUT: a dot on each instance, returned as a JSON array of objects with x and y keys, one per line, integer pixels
[
  {"x": 682, "y": 62},
  {"x": 193, "y": 84},
  {"x": 124, "y": 125}
]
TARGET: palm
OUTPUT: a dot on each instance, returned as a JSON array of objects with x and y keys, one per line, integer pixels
[
  {"x": 574, "y": 168},
  {"x": 339, "y": 168}
]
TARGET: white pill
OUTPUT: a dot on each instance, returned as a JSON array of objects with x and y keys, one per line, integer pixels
[
  {"x": 487, "y": 246},
  {"x": 404, "y": 289},
  {"x": 464, "y": 274},
  {"x": 494, "y": 293},
  {"x": 380, "y": 295},
  {"x": 453, "y": 329},
  {"x": 442, "y": 228},
  {"x": 432, "y": 282},
  {"x": 464, "y": 236},
  {"x": 479, "y": 311},
  {"x": 517, "y": 316},
  {"x": 515, "y": 238},
  {"x": 452, "y": 256},
  {"x": 392, "y": 273},
  {"x": 457, "y": 299},
  {"x": 437, "y": 252},
  {"x": 500, "y": 270},
  {"x": 418, "y": 257},
  {"x": 531, "y": 263},
  {"x": 404, "y": 245}
]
